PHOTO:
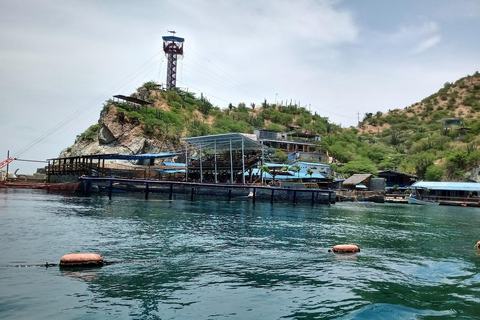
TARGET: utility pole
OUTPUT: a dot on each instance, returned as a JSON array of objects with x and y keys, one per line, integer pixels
[
  {"x": 358, "y": 116},
  {"x": 8, "y": 156}
]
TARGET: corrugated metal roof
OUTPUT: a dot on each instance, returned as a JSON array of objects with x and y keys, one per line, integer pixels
[
  {"x": 451, "y": 186},
  {"x": 357, "y": 179}
]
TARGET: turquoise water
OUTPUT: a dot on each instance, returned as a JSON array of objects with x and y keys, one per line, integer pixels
[{"x": 219, "y": 260}]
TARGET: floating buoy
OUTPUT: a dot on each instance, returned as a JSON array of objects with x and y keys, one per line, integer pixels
[
  {"x": 477, "y": 246},
  {"x": 346, "y": 248},
  {"x": 81, "y": 260}
]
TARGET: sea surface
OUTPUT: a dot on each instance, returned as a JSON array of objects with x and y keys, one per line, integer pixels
[{"x": 214, "y": 259}]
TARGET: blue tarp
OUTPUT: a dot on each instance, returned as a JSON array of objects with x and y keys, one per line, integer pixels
[
  {"x": 170, "y": 170},
  {"x": 174, "y": 164},
  {"x": 144, "y": 156}
]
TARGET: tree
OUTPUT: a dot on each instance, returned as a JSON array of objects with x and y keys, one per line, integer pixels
[
  {"x": 296, "y": 168},
  {"x": 263, "y": 169},
  {"x": 310, "y": 172},
  {"x": 358, "y": 166},
  {"x": 434, "y": 173}
]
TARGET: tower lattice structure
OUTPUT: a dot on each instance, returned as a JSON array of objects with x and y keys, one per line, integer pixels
[{"x": 173, "y": 47}]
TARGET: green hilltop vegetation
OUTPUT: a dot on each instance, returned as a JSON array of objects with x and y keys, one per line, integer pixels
[{"x": 436, "y": 139}]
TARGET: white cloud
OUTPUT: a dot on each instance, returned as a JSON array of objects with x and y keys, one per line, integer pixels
[
  {"x": 416, "y": 38},
  {"x": 59, "y": 56},
  {"x": 427, "y": 44}
]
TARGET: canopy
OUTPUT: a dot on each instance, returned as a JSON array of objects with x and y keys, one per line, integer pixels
[
  {"x": 222, "y": 142},
  {"x": 451, "y": 186}
]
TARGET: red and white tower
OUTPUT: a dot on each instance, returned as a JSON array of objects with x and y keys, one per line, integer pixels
[{"x": 173, "y": 47}]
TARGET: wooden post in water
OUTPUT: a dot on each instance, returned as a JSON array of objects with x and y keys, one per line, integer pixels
[
  {"x": 254, "y": 193},
  {"x": 147, "y": 187},
  {"x": 294, "y": 196},
  {"x": 171, "y": 192},
  {"x": 110, "y": 190},
  {"x": 313, "y": 198},
  {"x": 271, "y": 197},
  {"x": 87, "y": 184},
  {"x": 229, "y": 194},
  {"x": 191, "y": 194}
]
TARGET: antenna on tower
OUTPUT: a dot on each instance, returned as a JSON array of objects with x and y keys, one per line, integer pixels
[{"x": 173, "y": 47}]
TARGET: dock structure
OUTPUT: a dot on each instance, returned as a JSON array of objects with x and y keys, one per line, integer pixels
[
  {"x": 193, "y": 191},
  {"x": 71, "y": 168}
]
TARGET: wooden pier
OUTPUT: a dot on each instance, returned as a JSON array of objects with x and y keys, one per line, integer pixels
[{"x": 192, "y": 191}]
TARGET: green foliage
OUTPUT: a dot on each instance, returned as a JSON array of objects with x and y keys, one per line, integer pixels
[
  {"x": 358, "y": 166},
  {"x": 90, "y": 134},
  {"x": 434, "y": 173},
  {"x": 198, "y": 128},
  {"x": 226, "y": 124},
  {"x": 150, "y": 85},
  {"x": 275, "y": 127},
  {"x": 279, "y": 157}
]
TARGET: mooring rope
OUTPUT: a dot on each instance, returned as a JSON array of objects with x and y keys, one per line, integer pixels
[{"x": 104, "y": 263}]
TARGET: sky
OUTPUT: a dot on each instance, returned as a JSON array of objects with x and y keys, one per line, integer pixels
[{"x": 60, "y": 60}]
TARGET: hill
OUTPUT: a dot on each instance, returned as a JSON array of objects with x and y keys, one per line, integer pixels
[
  {"x": 131, "y": 129},
  {"x": 436, "y": 138}
]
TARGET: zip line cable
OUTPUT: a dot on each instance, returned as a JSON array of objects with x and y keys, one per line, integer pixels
[
  {"x": 76, "y": 116},
  {"x": 211, "y": 95},
  {"x": 89, "y": 105},
  {"x": 80, "y": 114},
  {"x": 226, "y": 82},
  {"x": 149, "y": 71},
  {"x": 219, "y": 68},
  {"x": 215, "y": 81},
  {"x": 193, "y": 50},
  {"x": 325, "y": 110}
]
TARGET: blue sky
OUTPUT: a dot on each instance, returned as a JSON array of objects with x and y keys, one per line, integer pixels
[{"x": 61, "y": 59}]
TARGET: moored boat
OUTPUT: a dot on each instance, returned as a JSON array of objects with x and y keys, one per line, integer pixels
[
  {"x": 412, "y": 200},
  {"x": 69, "y": 187}
]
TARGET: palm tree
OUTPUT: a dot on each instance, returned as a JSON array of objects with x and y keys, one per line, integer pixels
[
  {"x": 266, "y": 169},
  {"x": 296, "y": 168},
  {"x": 310, "y": 172}
]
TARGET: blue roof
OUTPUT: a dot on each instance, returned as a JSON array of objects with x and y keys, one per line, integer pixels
[
  {"x": 312, "y": 163},
  {"x": 287, "y": 175},
  {"x": 304, "y": 175},
  {"x": 267, "y": 175},
  {"x": 361, "y": 186},
  {"x": 276, "y": 165},
  {"x": 451, "y": 186}
]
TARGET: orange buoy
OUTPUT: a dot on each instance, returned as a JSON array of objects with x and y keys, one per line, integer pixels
[
  {"x": 477, "y": 246},
  {"x": 346, "y": 248},
  {"x": 81, "y": 260}
]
